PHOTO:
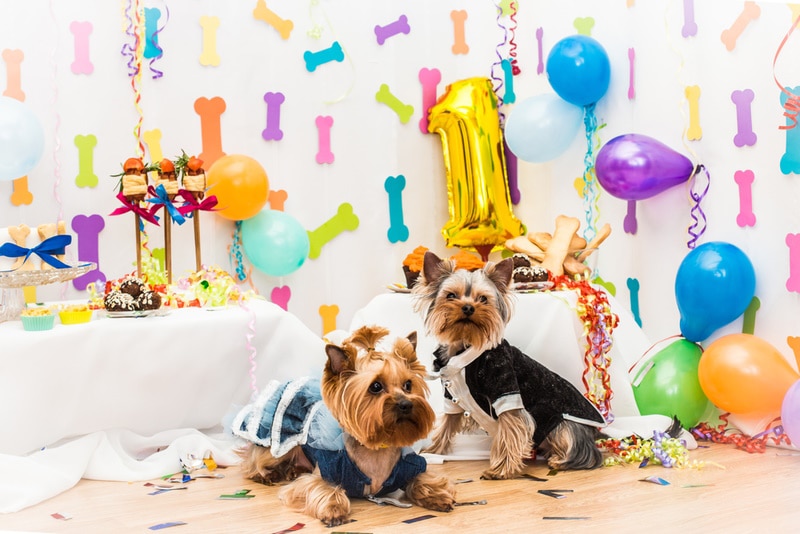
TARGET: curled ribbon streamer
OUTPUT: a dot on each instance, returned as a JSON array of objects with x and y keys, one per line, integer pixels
[
  {"x": 191, "y": 204},
  {"x": 160, "y": 199},
  {"x": 236, "y": 253},
  {"x": 251, "y": 349},
  {"x": 512, "y": 52},
  {"x": 497, "y": 81},
  {"x": 157, "y": 73},
  {"x": 697, "y": 194},
  {"x": 130, "y": 30},
  {"x": 48, "y": 248},
  {"x": 792, "y": 105},
  {"x": 128, "y": 206},
  {"x": 758, "y": 443},
  {"x": 590, "y": 192}
]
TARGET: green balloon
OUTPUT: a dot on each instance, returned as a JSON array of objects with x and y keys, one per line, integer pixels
[{"x": 671, "y": 386}]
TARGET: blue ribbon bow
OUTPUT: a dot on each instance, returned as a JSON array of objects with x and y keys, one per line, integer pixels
[
  {"x": 160, "y": 198},
  {"x": 46, "y": 250}
]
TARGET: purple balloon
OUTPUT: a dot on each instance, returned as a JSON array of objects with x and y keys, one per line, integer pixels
[
  {"x": 790, "y": 413},
  {"x": 635, "y": 167}
]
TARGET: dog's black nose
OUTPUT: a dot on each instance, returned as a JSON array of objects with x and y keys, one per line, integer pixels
[
  {"x": 404, "y": 406},
  {"x": 468, "y": 309}
]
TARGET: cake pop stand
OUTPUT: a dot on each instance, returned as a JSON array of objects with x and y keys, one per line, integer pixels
[{"x": 12, "y": 299}]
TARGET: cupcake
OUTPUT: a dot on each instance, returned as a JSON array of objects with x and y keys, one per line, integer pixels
[
  {"x": 412, "y": 265},
  {"x": 465, "y": 260},
  {"x": 75, "y": 314},
  {"x": 37, "y": 319}
]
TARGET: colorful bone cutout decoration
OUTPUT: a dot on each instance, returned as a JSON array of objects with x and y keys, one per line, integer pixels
[
  {"x": 394, "y": 186},
  {"x": 794, "y": 344},
  {"x": 20, "y": 194},
  {"x": 152, "y": 50},
  {"x": 88, "y": 228},
  {"x": 328, "y": 313},
  {"x": 385, "y": 96},
  {"x": 744, "y": 179},
  {"x": 153, "y": 140},
  {"x": 459, "y": 18},
  {"x": 320, "y": 57},
  {"x": 793, "y": 282},
  {"x": 344, "y": 219},
  {"x": 744, "y": 121},
  {"x": 324, "y": 125},
  {"x": 583, "y": 25},
  {"x": 633, "y": 289},
  {"x": 282, "y": 26},
  {"x": 382, "y": 33},
  {"x": 631, "y": 60},
  {"x": 277, "y": 199},
  {"x": 273, "y": 131},
  {"x": 210, "y": 111},
  {"x": 81, "y": 32},
  {"x": 281, "y": 296},
  {"x": 540, "y": 52},
  {"x": 209, "y": 56},
  {"x": 790, "y": 160},
  {"x": 86, "y": 176},
  {"x": 689, "y": 28},
  {"x": 750, "y": 12},
  {"x": 694, "y": 132},
  {"x": 749, "y": 316},
  {"x": 429, "y": 78},
  {"x": 509, "y": 97}
]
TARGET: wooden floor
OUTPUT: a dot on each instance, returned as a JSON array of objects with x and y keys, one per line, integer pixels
[{"x": 734, "y": 491}]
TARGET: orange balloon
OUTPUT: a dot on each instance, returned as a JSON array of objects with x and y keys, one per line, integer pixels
[
  {"x": 743, "y": 374},
  {"x": 240, "y": 185}
]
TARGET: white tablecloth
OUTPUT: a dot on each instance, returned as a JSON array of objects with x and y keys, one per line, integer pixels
[{"x": 100, "y": 398}]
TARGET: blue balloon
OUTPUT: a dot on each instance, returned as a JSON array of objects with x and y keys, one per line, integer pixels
[
  {"x": 275, "y": 242},
  {"x": 579, "y": 70},
  {"x": 21, "y": 139},
  {"x": 714, "y": 285},
  {"x": 542, "y": 127}
]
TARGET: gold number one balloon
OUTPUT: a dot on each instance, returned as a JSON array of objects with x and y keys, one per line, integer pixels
[{"x": 467, "y": 119}]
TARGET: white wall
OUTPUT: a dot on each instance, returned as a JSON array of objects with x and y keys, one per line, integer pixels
[{"x": 370, "y": 143}]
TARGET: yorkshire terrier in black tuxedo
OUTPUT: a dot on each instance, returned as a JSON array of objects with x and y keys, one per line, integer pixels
[{"x": 492, "y": 384}]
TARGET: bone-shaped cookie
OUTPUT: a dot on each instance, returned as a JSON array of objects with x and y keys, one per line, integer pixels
[
  {"x": 750, "y": 12},
  {"x": 210, "y": 112},
  {"x": 794, "y": 344},
  {"x": 20, "y": 194},
  {"x": 509, "y": 97},
  {"x": 328, "y": 313},
  {"x": 583, "y": 25},
  {"x": 277, "y": 199},
  {"x": 209, "y": 55},
  {"x": 689, "y": 28},
  {"x": 744, "y": 179},
  {"x": 385, "y": 96},
  {"x": 793, "y": 282},
  {"x": 790, "y": 160},
  {"x": 749, "y": 316},
  {"x": 273, "y": 131},
  {"x": 280, "y": 296},
  {"x": 394, "y": 186},
  {"x": 81, "y": 32},
  {"x": 47, "y": 231},
  {"x": 459, "y": 17},
  {"x": 86, "y": 176},
  {"x": 744, "y": 121},
  {"x": 694, "y": 131},
  {"x": 540, "y": 47},
  {"x": 344, "y": 219},
  {"x": 320, "y": 57},
  {"x": 429, "y": 78},
  {"x": 19, "y": 235},
  {"x": 324, "y": 125},
  {"x": 13, "y": 60},
  {"x": 283, "y": 26},
  {"x": 398, "y": 26},
  {"x": 88, "y": 228},
  {"x": 153, "y": 140},
  {"x": 633, "y": 289}
]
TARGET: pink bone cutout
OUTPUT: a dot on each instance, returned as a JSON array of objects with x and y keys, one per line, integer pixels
[
  {"x": 744, "y": 180},
  {"x": 273, "y": 130},
  {"x": 399, "y": 26},
  {"x": 744, "y": 120},
  {"x": 82, "y": 63},
  {"x": 324, "y": 154},
  {"x": 429, "y": 78},
  {"x": 793, "y": 282}
]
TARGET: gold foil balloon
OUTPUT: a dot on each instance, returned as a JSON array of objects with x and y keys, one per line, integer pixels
[{"x": 467, "y": 119}]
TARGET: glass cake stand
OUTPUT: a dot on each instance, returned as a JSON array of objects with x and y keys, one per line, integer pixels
[{"x": 12, "y": 299}]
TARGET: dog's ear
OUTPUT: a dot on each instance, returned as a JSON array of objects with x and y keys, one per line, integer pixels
[
  {"x": 412, "y": 338},
  {"x": 434, "y": 268},
  {"x": 338, "y": 360},
  {"x": 501, "y": 273}
]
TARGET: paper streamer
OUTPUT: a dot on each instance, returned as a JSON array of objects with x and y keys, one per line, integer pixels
[
  {"x": 700, "y": 181},
  {"x": 235, "y": 253},
  {"x": 152, "y": 50},
  {"x": 252, "y": 352},
  {"x": 512, "y": 45},
  {"x": 591, "y": 193},
  {"x": 789, "y": 97}
]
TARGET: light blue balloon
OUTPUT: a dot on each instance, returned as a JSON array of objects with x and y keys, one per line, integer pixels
[
  {"x": 542, "y": 127},
  {"x": 579, "y": 70},
  {"x": 21, "y": 139},
  {"x": 714, "y": 285},
  {"x": 275, "y": 242}
]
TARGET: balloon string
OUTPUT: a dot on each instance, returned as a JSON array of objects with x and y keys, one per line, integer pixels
[
  {"x": 792, "y": 104},
  {"x": 590, "y": 193},
  {"x": 512, "y": 52},
  {"x": 697, "y": 194},
  {"x": 251, "y": 349},
  {"x": 498, "y": 81}
]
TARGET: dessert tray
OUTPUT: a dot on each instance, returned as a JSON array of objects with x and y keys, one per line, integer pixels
[
  {"x": 137, "y": 313},
  {"x": 36, "y": 277},
  {"x": 525, "y": 287},
  {"x": 398, "y": 288}
]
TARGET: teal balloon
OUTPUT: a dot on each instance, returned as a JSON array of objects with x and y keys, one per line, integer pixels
[
  {"x": 714, "y": 285},
  {"x": 21, "y": 139},
  {"x": 542, "y": 127},
  {"x": 671, "y": 386},
  {"x": 579, "y": 70},
  {"x": 275, "y": 242}
]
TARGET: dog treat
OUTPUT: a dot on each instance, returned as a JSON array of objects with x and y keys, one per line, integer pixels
[
  {"x": 543, "y": 239},
  {"x": 46, "y": 231},
  {"x": 522, "y": 245},
  {"x": 602, "y": 235},
  {"x": 134, "y": 181},
  {"x": 554, "y": 256},
  {"x": 167, "y": 178},
  {"x": 19, "y": 234},
  {"x": 194, "y": 177}
]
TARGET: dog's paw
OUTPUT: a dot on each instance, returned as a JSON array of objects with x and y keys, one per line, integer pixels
[
  {"x": 334, "y": 516},
  {"x": 443, "y": 502},
  {"x": 498, "y": 474}
]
